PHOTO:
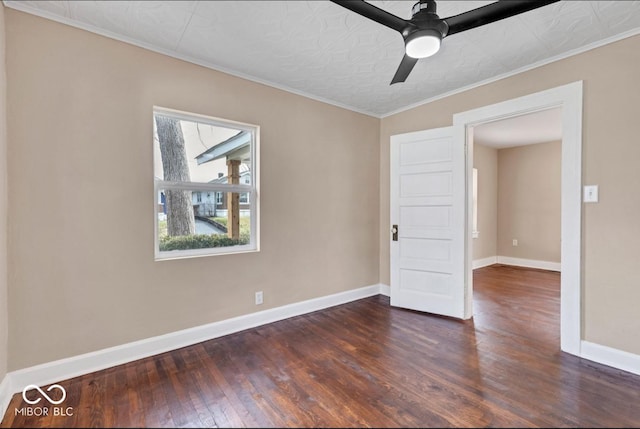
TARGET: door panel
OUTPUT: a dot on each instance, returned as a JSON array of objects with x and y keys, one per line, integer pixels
[
  {"x": 428, "y": 207},
  {"x": 437, "y": 217},
  {"x": 425, "y": 282},
  {"x": 425, "y": 184}
]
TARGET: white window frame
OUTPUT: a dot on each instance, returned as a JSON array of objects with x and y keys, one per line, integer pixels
[{"x": 252, "y": 189}]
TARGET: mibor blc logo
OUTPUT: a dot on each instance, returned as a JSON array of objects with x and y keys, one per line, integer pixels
[
  {"x": 44, "y": 410},
  {"x": 47, "y": 397}
]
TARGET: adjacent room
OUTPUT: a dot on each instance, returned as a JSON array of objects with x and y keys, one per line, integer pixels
[{"x": 319, "y": 214}]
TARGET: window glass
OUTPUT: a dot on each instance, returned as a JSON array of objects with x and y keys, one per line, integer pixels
[{"x": 204, "y": 176}]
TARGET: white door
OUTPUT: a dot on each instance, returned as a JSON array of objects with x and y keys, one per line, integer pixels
[{"x": 428, "y": 218}]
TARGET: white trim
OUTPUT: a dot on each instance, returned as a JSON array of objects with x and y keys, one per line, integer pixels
[
  {"x": 385, "y": 290},
  {"x": 612, "y": 357},
  {"x": 5, "y": 395},
  {"x": 529, "y": 263},
  {"x": 518, "y": 262},
  {"x": 569, "y": 97},
  {"x": 484, "y": 262},
  {"x": 74, "y": 366}
]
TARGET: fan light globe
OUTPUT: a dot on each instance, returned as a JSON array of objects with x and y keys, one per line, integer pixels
[{"x": 422, "y": 44}]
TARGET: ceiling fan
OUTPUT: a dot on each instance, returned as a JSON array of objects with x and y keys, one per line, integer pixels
[{"x": 424, "y": 32}]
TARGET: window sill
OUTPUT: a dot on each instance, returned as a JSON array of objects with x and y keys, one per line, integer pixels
[{"x": 173, "y": 255}]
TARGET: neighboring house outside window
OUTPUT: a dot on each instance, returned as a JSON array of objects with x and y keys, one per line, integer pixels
[
  {"x": 244, "y": 199},
  {"x": 200, "y": 212}
]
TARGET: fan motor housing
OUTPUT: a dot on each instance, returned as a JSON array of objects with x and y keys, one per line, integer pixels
[
  {"x": 427, "y": 5},
  {"x": 424, "y": 17}
]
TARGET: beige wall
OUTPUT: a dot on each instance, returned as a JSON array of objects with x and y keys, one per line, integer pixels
[
  {"x": 485, "y": 159},
  {"x": 81, "y": 197},
  {"x": 519, "y": 197},
  {"x": 611, "y": 231},
  {"x": 529, "y": 195},
  {"x": 3, "y": 204},
  {"x": 80, "y": 147}
]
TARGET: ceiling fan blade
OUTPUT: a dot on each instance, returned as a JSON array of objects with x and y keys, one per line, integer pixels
[
  {"x": 374, "y": 13},
  {"x": 406, "y": 65},
  {"x": 491, "y": 13}
]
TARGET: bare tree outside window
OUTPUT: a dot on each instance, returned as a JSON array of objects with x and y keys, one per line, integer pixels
[{"x": 176, "y": 169}]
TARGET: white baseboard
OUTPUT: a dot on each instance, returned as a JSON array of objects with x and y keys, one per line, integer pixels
[
  {"x": 518, "y": 262},
  {"x": 74, "y": 366},
  {"x": 385, "y": 290},
  {"x": 484, "y": 262},
  {"x": 609, "y": 356},
  {"x": 529, "y": 263}
]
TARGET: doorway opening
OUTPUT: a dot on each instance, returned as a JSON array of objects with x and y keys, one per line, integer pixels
[
  {"x": 518, "y": 162},
  {"x": 569, "y": 99},
  {"x": 516, "y": 221}
]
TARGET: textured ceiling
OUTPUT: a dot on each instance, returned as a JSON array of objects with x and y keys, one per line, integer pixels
[{"x": 321, "y": 50}]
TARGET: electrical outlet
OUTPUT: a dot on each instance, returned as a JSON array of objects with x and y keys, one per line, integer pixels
[
  {"x": 259, "y": 298},
  {"x": 515, "y": 242}
]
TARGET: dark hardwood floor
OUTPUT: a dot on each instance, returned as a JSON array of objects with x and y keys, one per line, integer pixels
[{"x": 365, "y": 364}]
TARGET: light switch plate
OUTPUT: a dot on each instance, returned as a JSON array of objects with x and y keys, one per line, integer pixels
[{"x": 590, "y": 194}]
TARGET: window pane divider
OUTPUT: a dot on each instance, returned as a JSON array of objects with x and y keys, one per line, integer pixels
[{"x": 194, "y": 186}]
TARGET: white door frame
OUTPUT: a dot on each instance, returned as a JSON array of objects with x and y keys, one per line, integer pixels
[{"x": 569, "y": 97}]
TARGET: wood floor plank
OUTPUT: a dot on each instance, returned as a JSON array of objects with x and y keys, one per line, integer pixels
[
  {"x": 366, "y": 364},
  {"x": 158, "y": 413},
  {"x": 223, "y": 389},
  {"x": 229, "y": 362}
]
